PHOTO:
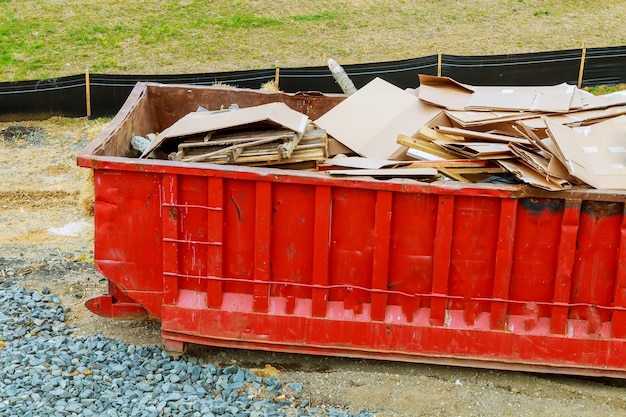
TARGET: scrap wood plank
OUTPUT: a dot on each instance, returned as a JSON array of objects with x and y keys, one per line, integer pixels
[
  {"x": 261, "y": 155},
  {"x": 234, "y": 139},
  {"x": 459, "y": 174},
  {"x": 428, "y": 147},
  {"x": 432, "y": 135},
  {"x": 232, "y": 145},
  {"x": 233, "y": 150},
  {"x": 472, "y": 134},
  {"x": 297, "y": 156}
]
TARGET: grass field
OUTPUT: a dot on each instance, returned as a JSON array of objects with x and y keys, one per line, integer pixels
[{"x": 50, "y": 38}]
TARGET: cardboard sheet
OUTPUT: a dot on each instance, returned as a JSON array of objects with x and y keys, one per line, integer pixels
[
  {"x": 369, "y": 121},
  {"x": 480, "y": 150},
  {"x": 391, "y": 172},
  {"x": 363, "y": 163},
  {"x": 451, "y": 95},
  {"x": 477, "y": 118},
  {"x": 278, "y": 114},
  {"x": 473, "y": 134},
  {"x": 595, "y": 154},
  {"x": 576, "y": 118},
  {"x": 546, "y": 166},
  {"x": 530, "y": 176},
  {"x": 443, "y": 92},
  {"x": 556, "y": 98}
]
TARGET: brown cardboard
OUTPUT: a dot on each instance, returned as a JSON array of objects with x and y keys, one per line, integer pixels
[
  {"x": 337, "y": 148},
  {"x": 477, "y": 118},
  {"x": 576, "y": 118},
  {"x": 426, "y": 149},
  {"x": 194, "y": 123},
  {"x": 546, "y": 165},
  {"x": 556, "y": 98},
  {"x": 591, "y": 101},
  {"x": 370, "y": 120},
  {"x": 529, "y": 175},
  {"x": 480, "y": 150},
  {"x": 595, "y": 154},
  {"x": 446, "y": 128},
  {"x": 474, "y": 134},
  {"x": 451, "y": 95},
  {"x": 389, "y": 172},
  {"x": 443, "y": 92},
  {"x": 363, "y": 163}
]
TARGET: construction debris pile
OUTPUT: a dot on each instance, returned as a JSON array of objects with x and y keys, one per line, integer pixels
[{"x": 554, "y": 137}]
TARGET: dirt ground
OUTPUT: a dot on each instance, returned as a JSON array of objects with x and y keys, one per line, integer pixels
[{"x": 46, "y": 238}]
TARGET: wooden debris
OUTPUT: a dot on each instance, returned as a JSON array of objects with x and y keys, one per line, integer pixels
[{"x": 255, "y": 148}]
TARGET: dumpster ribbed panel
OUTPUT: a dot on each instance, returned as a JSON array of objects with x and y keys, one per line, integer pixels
[
  {"x": 170, "y": 214},
  {"x": 262, "y": 246},
  {"x": 380, "y": 268},
  {"x": 441, "y": 259},
  {"x": 321, "y": 250},
  {"x": 565, "y": 256},
  {"x": 619, "y": 315},
  {"x": 503, "y": 263},
  {"x": 215, "y": 233}
]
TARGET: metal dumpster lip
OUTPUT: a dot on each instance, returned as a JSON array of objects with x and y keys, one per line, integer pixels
[{"x": 517, "y": 191}]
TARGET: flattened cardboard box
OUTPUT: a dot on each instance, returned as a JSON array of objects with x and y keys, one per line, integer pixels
[
  {"x": 452, "y": 95},
  {"x": 369, "y": 121},
  {"x": 595, "y": 154},
  {"x": 278, "y": 114}
]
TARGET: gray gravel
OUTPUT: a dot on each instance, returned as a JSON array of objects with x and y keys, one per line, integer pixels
[{"x": 45, "y": 370}]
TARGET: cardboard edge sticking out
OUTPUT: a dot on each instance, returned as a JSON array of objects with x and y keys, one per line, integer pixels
[
  {"x": 358, "y": 162},
  {"x": 390, "y": 172},
  {"x": 530, "y": 176},
  {"x": 594, "y": 154}
]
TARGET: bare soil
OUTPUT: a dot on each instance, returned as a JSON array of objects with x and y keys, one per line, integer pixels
[{"x": 46, "y": 236}]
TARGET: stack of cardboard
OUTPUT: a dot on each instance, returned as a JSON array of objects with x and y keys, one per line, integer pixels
[
  {"x": 553, "y": 137},
  {"x": 269, "y": 134}
]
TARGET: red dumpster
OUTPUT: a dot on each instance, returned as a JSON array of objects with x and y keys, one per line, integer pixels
[{"x": 494, "y": 276}]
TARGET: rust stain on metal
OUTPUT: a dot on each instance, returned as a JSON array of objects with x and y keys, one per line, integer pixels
[
  {"x": 539, "y": 205},
  {"x": 602, "y": 209},
  {"x": 236, "y": 207}
]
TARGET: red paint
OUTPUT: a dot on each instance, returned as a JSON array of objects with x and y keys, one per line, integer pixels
[{"x": 505, "y": 278}]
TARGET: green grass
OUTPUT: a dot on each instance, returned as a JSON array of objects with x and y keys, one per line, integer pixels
[
  {"x": 605, "y": 89},
  {"x": 42, "y": 39}
]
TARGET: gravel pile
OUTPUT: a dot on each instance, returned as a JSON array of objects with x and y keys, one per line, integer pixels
[{"x": 47, "y": 371}]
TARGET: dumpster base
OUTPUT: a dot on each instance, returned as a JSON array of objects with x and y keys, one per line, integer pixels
[
  {"x": 530, "y": 348},
  {"x": 179, "y": 339},
  {"x": 106, "y": 306}
]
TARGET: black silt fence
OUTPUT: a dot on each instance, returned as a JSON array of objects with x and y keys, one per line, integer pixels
[{"x": 67, "y": 96}]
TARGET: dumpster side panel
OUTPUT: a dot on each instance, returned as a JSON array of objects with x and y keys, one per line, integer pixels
[
  {"x": 316, "y": 267},
  {"x": 127, "y": 247}
]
